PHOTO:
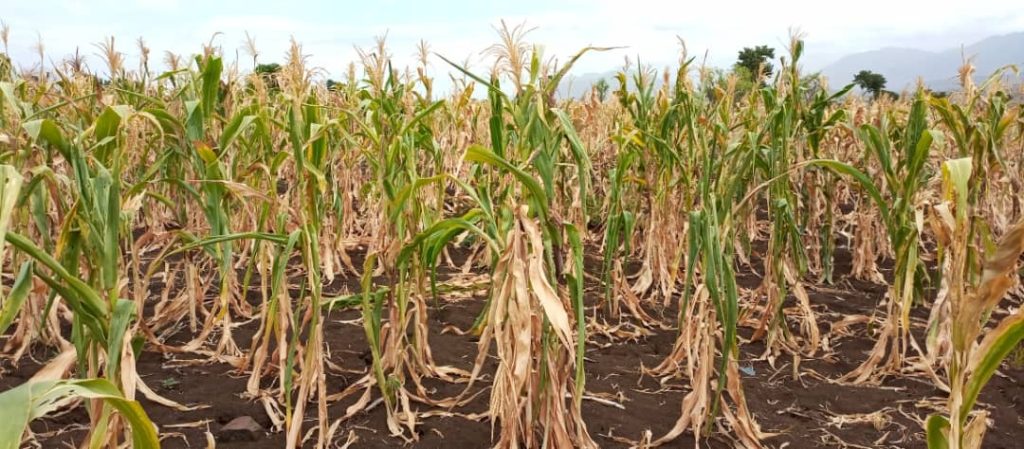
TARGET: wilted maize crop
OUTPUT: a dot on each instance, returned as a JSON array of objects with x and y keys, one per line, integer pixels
[{"x": 161, "y": 213}]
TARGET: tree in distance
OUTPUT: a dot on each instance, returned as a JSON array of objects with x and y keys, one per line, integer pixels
[
  {"x": 871, "y": 82},
  {"x": 756, "y": 62}
]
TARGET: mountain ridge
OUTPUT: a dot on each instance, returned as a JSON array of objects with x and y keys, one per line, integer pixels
[{"x": 901, "y": 66}]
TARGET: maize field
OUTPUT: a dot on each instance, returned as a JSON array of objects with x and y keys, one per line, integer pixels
[{"x": 212, "y": 256}]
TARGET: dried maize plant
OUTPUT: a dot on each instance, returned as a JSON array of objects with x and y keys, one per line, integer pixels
[
  {"x": 405, "y": 159},
  {"x": 655, "y": 141},
  {"x": 974, "y": 286},
  {"x": 211, "y": 164},
  {"x": 979, "y": 124},
  {"x": 820, "y": 118},
  {"x": 162, "y": 212},
  {"x": 778, "y": 148},
  {"x": 869, "y": 242},
  {"x": 979, "y": 127},
  {"x": 687, "y": 125},
  {"x": 536, "y": 346},
  {"x": 536, "y": 275},
  {"x": 351, "y": 216},
  {"x": 35, "y": 317},
  {"x": 903, "y": 181},
  {"x": 627, "y": 180},
  {"x": 85, "y": 269},
  {"x": 308, "y": 136},
  {"x": 661, "y": 241},
  {"x": 227, "y": 198},
  {"x": 525, "y": 317},
  {"x": 709, "y": 315},
  {"x": 868, "y": 238}
]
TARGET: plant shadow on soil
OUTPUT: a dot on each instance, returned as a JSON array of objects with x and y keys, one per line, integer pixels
[{"x": 804, "y": 411}]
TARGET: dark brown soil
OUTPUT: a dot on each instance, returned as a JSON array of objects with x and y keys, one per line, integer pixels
[{"x": 804, "y": 412}]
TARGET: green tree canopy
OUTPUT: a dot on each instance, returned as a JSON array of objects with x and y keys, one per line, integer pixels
[
  {"x": 870, "y": 81},
  {"x": 601, "y": 87},
  {"x": 268, "y": 68},
  {"x": 756, "y": 60},
  {"x": 269, "y": 72}
]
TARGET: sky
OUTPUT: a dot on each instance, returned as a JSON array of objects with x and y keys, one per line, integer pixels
[{"x": 461, "y": 29}]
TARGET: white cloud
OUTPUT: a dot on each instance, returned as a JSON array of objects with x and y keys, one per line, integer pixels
[{"x": 461, "y": 29}]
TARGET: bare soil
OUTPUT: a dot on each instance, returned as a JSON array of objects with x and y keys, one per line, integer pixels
[{"x": 805, "y": 410}]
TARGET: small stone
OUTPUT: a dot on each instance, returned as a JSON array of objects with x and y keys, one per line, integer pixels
[{"x": 242, "y": 428}]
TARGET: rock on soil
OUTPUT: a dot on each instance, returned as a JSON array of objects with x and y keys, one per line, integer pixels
[{"x": 243, "y": 428}]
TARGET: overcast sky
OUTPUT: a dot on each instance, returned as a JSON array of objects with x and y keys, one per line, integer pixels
[{"x": 458, "y": 29}]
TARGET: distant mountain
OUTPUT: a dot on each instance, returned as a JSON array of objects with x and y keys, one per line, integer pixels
[
  {"x": 903, "y": 66},
  {"x": 576, "y": 86},
  {"x": 900, "y": 66}
]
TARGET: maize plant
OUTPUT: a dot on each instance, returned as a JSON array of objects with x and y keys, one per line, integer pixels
[
  {"x": 582, "y": 261},
  {"x": 904, "y": 178},
  {"x": 974, "y": 288}
]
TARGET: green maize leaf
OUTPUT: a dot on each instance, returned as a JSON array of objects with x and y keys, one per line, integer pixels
[
  {"x": 211, "y": 68},
  {"x": 372, "y": 302},
  {"x": 16, "y": 414},
  {"x": 296, "y": 136},
  {"x": 445, "y": 228},
  {"x": 578, "y": 307},
  {"x": 994, "y": 348},
  {"x": 420, "y": 116},
  {"x": 109, "y": 121},
  {"x": 15, "y": 297},
  {"x": 56, "y": 106},
  {"x": 94, "y": 322},
  {"x": 169, "y": 74},
  {"x": 124, "y": 311},
  {"x": 90, "y": 299},
  {"x": 398, "y": 204},
  {"x": 47, "y": 131},
  {"x": 858, "y": 176},
  {"x": 7, "y": 91},
  {"x": 496, "y": 123},
  {"x": 955, "y": 175},
  {"x": 838, "y": 94},
  {"x": 491, "y": 87},
  {"x": 274, "y": 238},
  {"x": 106, "y": 129},
  {"x": 920, "y": 154},
  {"x": 552, "y": 82},
  {"x": 148, "y": 176},
  {"x": 916, "y": 127},
  {"x": 837, "y": 167},
  {"x": 140, "y": 96},
  {"x": 477, "y": 153},
  {"x": 32, "y": 400},
  {"x": 193, "y": 120},
  {"x": 347, "y": 301},
  {"x": 170, "y": 124},
  {"x": 878, "y": 143},
  {"x": 579, "y": 152},
  {"x": 111, "y": 224},
  {"x": 239, "y": 123},
  {"x": 936, "y": 432},
  {"x": 367, "y": 130},
  {"x": 10, "y": 187}
]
